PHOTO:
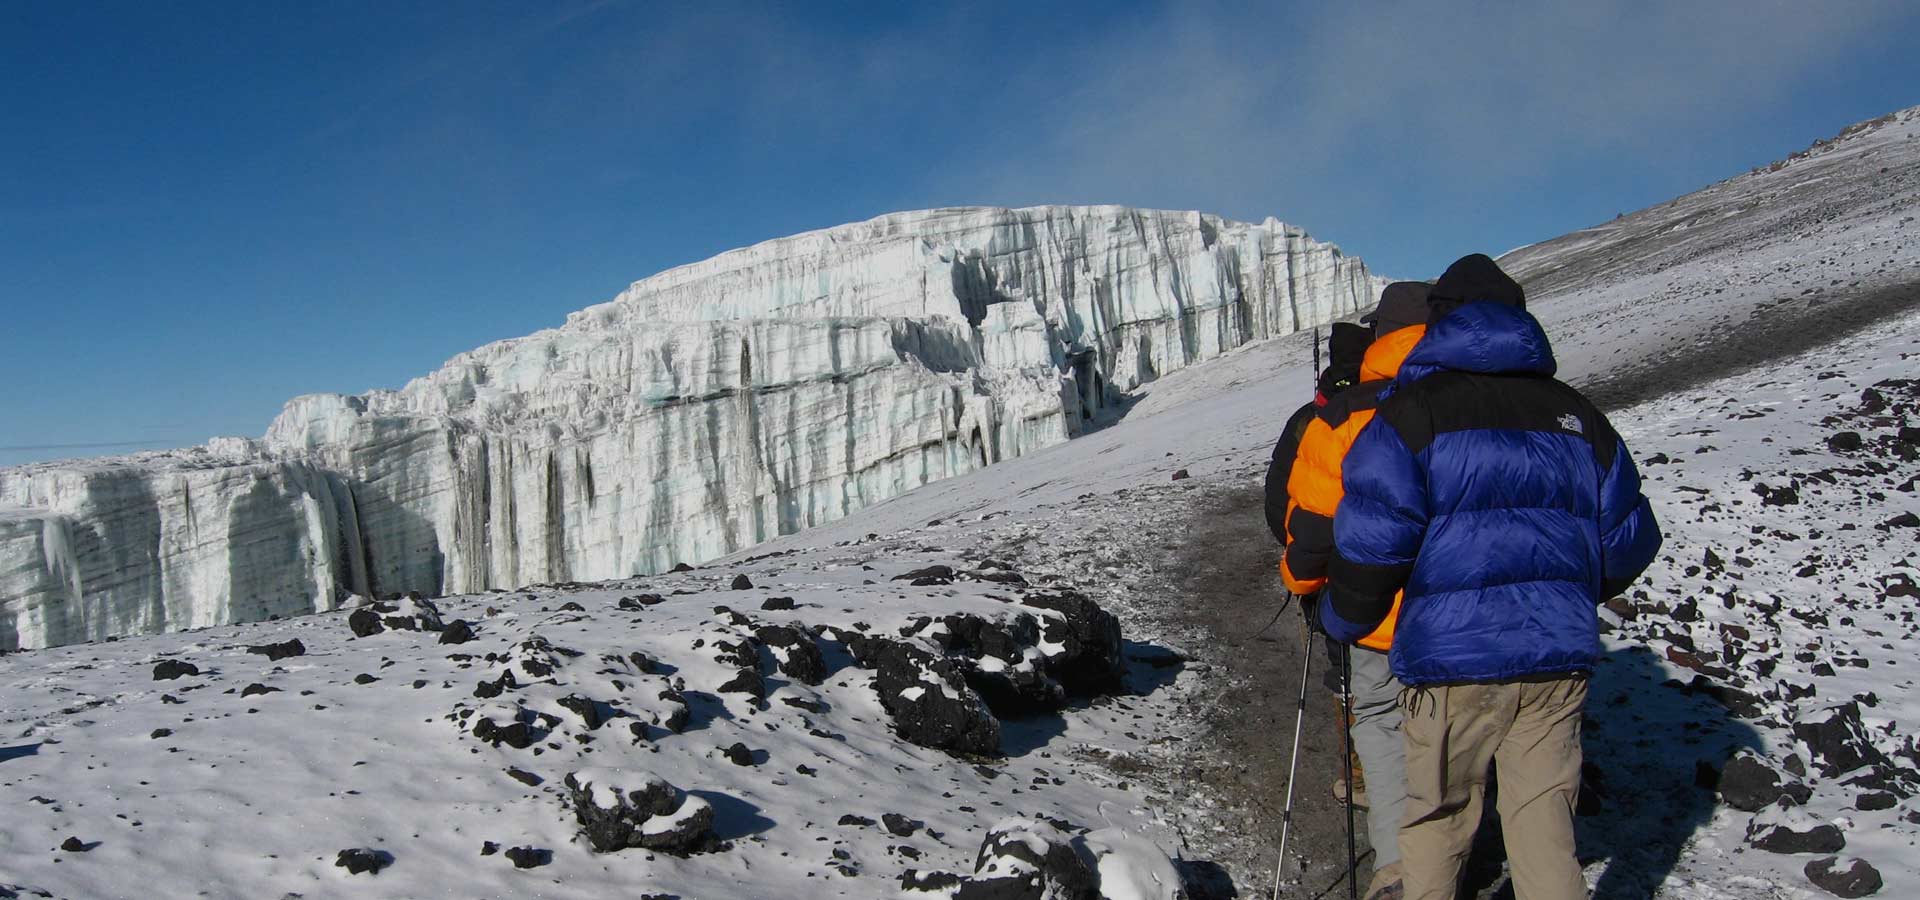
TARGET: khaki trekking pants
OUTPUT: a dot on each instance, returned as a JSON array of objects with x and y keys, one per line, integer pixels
[{"x": 1531, "y": 730}]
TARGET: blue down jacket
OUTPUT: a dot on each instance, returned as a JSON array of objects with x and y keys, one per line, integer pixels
[{"x": 1498, "y": 498}]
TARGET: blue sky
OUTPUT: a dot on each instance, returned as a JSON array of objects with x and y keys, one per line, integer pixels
[{"x": 208, "y": 209}]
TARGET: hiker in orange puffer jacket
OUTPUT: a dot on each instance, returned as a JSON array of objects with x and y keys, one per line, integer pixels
[{"x": 1399, "y": 322}]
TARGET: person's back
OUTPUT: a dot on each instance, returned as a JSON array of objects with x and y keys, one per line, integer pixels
[
  {"x": 1506, "y": 506},
  {"x": 1346, "y": 347}
]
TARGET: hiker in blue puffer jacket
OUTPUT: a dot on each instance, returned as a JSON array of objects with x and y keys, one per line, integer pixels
[{"x": 1506, "y": 507}]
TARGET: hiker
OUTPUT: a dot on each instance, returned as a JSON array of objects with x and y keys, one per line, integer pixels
[
  {"x": 1346, "y": 343},
  {"x": 1398, "y": 322},
  {"x": 1507, "y": 508},
  {"x": 1346, "y": 348}
]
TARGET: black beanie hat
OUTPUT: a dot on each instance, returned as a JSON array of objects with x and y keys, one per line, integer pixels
[
  {"x": 1403, "y": 304},
  {"x": 1475, "y": 278},
  {"x": 1347, "y": 344}
]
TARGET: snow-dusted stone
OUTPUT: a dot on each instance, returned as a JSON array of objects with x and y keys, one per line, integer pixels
[
  {"x": 794, "y": 652},
  {"x": 1786, "y": 828},
  {"x": 745, "y": 681},
  {"x": 940, "y": 882},
  {"x": 1839, "y": 740},
  {"x": 410, "y": 613},
  {"x": 1029, "y": 859},
  {"x": 1844, "y": 876},
  {"x": 363, "y": 860},
  {"x": 621, "y": 808},
  {"x": 280, "y": 651},
  {"x": 1750, "y": 785},
  {"x": 170, "y": 669},
  {"x": 1129, "y": 866},
  {"x": 1088, "y": 659},
  {"x": 502, "y": 723},
  {"x": 927, "y": 697},
  {"x": 457, "y": 633},
  {"x": 1002, "y": 661},
  {"x": 529, "y": 857}
]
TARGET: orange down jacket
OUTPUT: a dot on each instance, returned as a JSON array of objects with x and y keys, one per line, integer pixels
[{"x": 1314, "y": 485}]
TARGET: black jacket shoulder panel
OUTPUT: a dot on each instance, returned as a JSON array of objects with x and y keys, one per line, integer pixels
[
  {"x": 1464, "y": 401},
  {"x": 1360, "y": 397}
]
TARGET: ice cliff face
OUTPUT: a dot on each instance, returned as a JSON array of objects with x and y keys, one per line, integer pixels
[{"x": 702, "y": 410}]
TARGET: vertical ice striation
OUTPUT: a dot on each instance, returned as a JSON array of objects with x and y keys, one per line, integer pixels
[{"x": 704, "y": 409}]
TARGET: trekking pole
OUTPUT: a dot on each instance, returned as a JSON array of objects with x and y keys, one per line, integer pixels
[
  {"x": 1293, "y": 762},
  {"x": 1346, "y": 752}
]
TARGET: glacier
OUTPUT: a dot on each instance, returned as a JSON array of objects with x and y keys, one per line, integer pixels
[{"x": 702, "y": 410}]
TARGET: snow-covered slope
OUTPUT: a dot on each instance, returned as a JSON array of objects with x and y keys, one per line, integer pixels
[{"x": 705, "y": 409}]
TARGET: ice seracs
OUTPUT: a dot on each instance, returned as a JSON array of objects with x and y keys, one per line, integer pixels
[{"x": 704, "y": 409}]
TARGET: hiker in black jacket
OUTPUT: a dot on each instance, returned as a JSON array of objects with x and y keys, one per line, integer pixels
[{"x": 1346, "y": 346}]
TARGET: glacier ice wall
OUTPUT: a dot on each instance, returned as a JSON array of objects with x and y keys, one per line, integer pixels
[{"x": 702, "y": 410}]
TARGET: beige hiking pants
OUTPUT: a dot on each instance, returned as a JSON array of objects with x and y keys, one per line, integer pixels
[{"x": 1531, "y": 730}]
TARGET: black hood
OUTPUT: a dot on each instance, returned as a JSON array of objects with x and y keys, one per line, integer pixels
[
  {"x": 1347, "y": 344},
  {"x": 1474, "y": 278}
]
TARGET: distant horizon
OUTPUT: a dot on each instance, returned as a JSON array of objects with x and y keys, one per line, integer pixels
[{"x": 216, "y": 209}]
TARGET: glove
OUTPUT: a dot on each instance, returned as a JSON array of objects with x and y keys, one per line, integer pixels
[{"x": 1310, "y": 612}]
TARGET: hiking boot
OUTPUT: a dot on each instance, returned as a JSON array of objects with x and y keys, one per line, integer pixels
[
  {"x": 1386, "y": 885},
  {"x": 1340, "y": 793}
]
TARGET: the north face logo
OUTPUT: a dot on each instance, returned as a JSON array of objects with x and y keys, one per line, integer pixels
[{"x": 1571, "y": 423}]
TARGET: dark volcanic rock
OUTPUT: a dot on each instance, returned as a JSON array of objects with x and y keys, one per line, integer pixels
[
  {"x": 1844, "y": 441},
  {"x": 748, "y": 682},
  {"x": 529, "y": 857},
  {"x": 1851, "y": 877},
  {"x": 930, "y": 575},
  {"x": 457, "y": 633},
  {"x": 365, "y": 622},
  {"x": 1781, "y": 828},
  {"x": 1873, "y": 801},
  {"x": 257, "y": 688},
  {"x": 927, "y": 697},
  {"x": 742, "y": 583},
  {"x": 1029, "y": 860},
  {"x": 1091, "y": 663},
  {"x": 738, "y": 754},
  {"x": 588, "y": 710},
  {"x": 795, "y": 651},
  {"x": 277, "y": 652},
  {"x": 1839, "y": 741},
  {"x": 74, "y": 845},
  {"x": 524, "y": 777},
  {"x": 169, "y": 669},
  {"x": 617, "y": 810},
  {"x": 515, "y": 731},
  {"x": 363, "y": 860},
  {"x": 916, "y": 880},
  {"x": 777, "y": 603},
  {"x": 1750, "y": 785},
  {"x": 899, "y": 825}
]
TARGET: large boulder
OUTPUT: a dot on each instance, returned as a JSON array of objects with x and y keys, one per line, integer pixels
[
  {"x": 622, "y": 808},
  {"x": 1028, "y": 859},
  {"x": 1786, "y": 828},
  {"x": 1839, "y": 740},
  {"x": 794, "y": 651},
  {"x": 1844, "y": 876},
  {"x": 1088, "y": 661},
  {"x": 927, "y": 697},
  {"x": 1750, "y": 785}
]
